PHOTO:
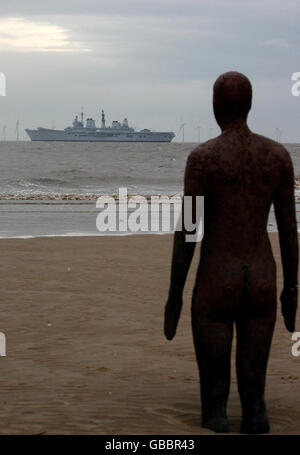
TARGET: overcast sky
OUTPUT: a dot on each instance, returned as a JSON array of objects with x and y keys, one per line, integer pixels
[{"x": 153, "y": 61}]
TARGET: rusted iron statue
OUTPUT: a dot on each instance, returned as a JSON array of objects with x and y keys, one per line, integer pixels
[{"x": 240, "y": 174}]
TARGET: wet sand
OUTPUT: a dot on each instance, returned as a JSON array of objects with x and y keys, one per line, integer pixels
[{"x": 85, "y": 348}]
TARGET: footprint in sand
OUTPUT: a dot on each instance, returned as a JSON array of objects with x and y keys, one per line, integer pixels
[
  {"x": 181, "y": 414},
  {"x": 289, "y": 379}
]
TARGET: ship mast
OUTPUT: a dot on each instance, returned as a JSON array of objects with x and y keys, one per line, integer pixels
[
  {"x": 102, "y": 119},
  {"x": 81, "y": 115}
]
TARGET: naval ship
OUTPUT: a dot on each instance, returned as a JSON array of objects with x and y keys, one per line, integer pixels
[{"x": 117, "y": 132}]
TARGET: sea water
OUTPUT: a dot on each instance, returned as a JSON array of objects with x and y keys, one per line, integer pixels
[{"x": 40, "y": 182}]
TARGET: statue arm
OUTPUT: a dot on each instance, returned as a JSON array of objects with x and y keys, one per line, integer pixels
[
  {"x": 182, "y": 250},
  {"x": 285, "y": 213}
]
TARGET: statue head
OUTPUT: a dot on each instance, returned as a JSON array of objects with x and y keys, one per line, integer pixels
[{"x": 232, "y": 98}]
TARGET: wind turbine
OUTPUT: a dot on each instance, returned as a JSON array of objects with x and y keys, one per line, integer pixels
[
  {"x": 4, "y": 133},
  {"x": 198, "y": 128},
  {"x": 278, "y": 133},
  {"x": 181, "y": 129},
  {"x": 17, "y": 130}
]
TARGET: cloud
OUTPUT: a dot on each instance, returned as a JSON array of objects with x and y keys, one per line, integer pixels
[
  {"x": 278, "y": 42},
  {"x": 157, "y": 8},
  {"x": 21, "y": 35}
]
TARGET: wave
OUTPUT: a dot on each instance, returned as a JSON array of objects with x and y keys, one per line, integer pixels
[
  {"x": 89, "y": 196},
  {"x": 76, "y": 197}
]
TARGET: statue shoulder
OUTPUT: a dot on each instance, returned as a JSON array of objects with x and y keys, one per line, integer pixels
[
  {"x": 274, "y": 149},
  {"x": 200, "y": 155}
]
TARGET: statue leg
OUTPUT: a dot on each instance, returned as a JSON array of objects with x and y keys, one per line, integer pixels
[
  {"x": 213, "y": 341},
  {"x": 254, "y": 336}
]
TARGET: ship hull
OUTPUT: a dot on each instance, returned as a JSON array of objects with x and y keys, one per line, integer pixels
[{"x": 48, "y": 135}]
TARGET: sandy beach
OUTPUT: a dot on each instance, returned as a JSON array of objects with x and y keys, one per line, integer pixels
[{"x": 85, "y": 348}]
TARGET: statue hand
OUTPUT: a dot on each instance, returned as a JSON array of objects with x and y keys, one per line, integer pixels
[
  {"x": 289, "y": 300},
  {"x": 172, "y": 314}
]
